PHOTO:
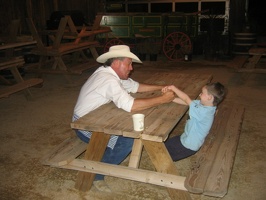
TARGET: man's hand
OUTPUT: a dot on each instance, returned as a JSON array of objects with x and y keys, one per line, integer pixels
[{"x": 168, "y": 96}]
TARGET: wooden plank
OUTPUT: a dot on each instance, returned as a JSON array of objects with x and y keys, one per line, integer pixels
[
  {"x": 218, "y": 179},
  {"x": 197, "y": 178},
  {"x": 257, "y": 51},
  {"x": 60, "y": 32},
  {"x": 65, "y": 152},
  {"x": 97, "y": 142},
  {"x": 145, "y": 176},
  {"x": 164, "y": 164},
  {"x": 136, "y": 153},
  {"x": 258, "y": 71},
  {"x": 5, "y": 92},
  {"x": 16, "y": 45},
  {"x": 252, "y": 61},
  {"x": 5, "y": 64}
]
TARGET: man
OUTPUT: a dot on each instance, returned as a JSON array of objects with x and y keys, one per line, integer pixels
[{"x": 111, "y": 82}]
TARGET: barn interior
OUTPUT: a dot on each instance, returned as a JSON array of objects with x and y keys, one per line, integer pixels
[{"x": 39, "y": 87}]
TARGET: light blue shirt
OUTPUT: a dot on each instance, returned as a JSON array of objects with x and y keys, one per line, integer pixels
[{"x": 198, "y": 125}]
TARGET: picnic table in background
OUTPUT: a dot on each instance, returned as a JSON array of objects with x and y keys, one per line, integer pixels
[
  {"x": 66, "y": 40},
  {"x": 11, "y": 63}
]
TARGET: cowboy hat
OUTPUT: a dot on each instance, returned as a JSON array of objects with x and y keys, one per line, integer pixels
[{"x": 118, "y": 51}]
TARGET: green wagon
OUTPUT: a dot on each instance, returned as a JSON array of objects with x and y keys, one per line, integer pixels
[{"x": 152, "y": 33}]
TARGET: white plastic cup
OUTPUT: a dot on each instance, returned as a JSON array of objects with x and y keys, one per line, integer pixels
[{"x": 138, "y": 122}]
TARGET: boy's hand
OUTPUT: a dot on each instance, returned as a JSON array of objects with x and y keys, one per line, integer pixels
[{"x": 168, "y": 88}]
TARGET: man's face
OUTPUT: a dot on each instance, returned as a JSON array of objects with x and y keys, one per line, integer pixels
[{"x": 123, "y": 68}]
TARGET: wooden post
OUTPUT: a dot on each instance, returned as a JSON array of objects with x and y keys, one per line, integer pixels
[
  {"x": 164, "y": 164},
  {"x": 29, "y": 8},
  {"x": 95, "y": 151}
]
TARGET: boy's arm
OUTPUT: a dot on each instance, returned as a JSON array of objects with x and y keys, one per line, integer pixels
[
  {"x": 182, "y": 98},
  {"x": 179, "y": 101}
]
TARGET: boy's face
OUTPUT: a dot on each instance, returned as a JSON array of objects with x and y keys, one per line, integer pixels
[{"x": 206, "y": 98}]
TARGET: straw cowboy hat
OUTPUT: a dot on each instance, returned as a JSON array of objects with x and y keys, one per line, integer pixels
[{"x": 118, "y": 51}]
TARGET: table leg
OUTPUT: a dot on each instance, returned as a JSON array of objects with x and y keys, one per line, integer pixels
[
  {"x": 136, "y": 153},
  {"x": 95, "y": 151},
  {"x": 164, "y": 164},
  {"x": 18, "y": 78}
]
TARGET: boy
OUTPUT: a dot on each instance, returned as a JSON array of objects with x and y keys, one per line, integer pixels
[{"x": 201, "y": 115}]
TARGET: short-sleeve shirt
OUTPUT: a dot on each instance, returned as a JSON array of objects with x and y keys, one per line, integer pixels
[
  {"x": 102, "y": 87},
  {"x": 198, "y": 125}
]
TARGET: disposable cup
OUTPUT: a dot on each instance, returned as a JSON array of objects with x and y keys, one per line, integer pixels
[{"x": 138, "y": 122}]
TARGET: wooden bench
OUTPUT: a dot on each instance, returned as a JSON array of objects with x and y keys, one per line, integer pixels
[
  {"x": 210, "y": 173},
  {"x": 12, "y": 65},
  {"x": 255, "y": 54},
  {"x": 65, "y": 152}
]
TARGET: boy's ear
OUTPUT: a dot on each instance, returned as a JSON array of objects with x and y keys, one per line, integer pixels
[{"x": 210, "y": 97}]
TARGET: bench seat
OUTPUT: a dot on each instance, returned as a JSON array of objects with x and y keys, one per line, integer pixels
[
  {"x": 210, "y": 173},
  {"x": 65, "y": 152},
  {"x": 8, "y": 90},
  {"x": 64, "y": 48}
]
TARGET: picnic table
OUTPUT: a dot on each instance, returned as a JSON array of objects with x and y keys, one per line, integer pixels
[
  {"x": 66, "y": 40},
  {"x": 159, "y": 122},
  {"x": 12, "y": 63}
]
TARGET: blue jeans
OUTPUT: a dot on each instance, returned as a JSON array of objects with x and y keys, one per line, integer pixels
[
  {"x": 121, "y": 150},
  {"x": 176, "y": 150}
]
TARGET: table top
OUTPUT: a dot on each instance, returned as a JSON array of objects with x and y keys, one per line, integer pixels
[
  {"x": 16, "y": 44},
  {"x": 159, "y": 120}
]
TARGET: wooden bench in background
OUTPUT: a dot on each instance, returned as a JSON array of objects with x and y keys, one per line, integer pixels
[
  {"x": 210, "y": 173},
  {"x": 255, "y": 55},
  {"x": 13, "y": 64}
]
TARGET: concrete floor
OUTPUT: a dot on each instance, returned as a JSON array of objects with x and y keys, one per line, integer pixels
[{"x": 30, "y": 129}]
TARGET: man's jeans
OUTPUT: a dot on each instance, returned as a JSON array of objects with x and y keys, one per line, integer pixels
[{"x": 121, "y": 150}]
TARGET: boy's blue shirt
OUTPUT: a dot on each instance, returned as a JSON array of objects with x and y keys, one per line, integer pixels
[{"x": 198, "y": 125}]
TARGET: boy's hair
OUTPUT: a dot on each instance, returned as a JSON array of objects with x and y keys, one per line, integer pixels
[{"x": 217, "y": 90}]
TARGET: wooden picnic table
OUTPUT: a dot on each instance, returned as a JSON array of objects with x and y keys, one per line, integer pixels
[
  {"x": 159, "y": 121},
  {"x": 75, "y": 44},
  {"x": 12, "y": 63}
]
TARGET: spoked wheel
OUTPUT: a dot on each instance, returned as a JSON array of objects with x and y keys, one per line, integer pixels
[
  {"x": 112, "y": 42},
  {"x": 176, "y": 45}
]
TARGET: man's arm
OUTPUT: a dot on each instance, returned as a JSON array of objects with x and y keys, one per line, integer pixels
[
  {"x": 146, "y": 87},
  {"x": 142, "y": 104}
]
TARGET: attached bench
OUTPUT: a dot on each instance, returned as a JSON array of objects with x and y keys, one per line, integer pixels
[
  {"x": 12, "y": 65},
  {"x": 65, "y": 152},
  {"x": 210, "y": 173}
]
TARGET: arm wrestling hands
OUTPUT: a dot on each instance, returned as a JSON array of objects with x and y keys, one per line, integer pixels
[
  {"x": 182, "y": 98},
  {"x": 142, "y": 104}
]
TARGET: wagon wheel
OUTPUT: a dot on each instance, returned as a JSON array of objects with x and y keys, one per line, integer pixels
[
  {"x": 112, "y": 42},
  {"x": 176, "y": 45}
]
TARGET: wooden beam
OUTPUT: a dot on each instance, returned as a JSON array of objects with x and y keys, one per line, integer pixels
[
  {"x": 136, "y": 153},
  {"x": 98, "y": 141},
  {"x": 144, "y": 176},
  {"x": 163, "y": 163}
]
